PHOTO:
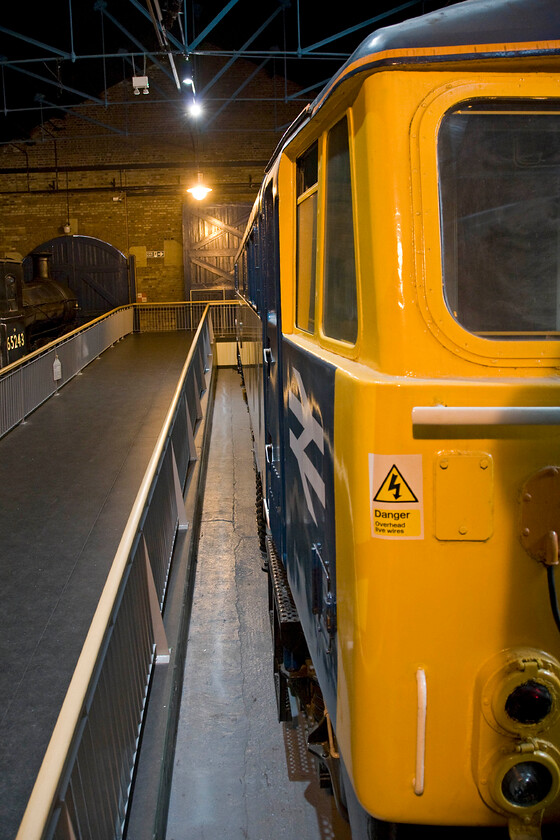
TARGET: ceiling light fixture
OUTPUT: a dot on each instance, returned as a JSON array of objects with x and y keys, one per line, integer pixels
[
  {"x": 188, "y": 79},
  {"x": 195, "y": 108},
  {"x": 199, "y": 191}
]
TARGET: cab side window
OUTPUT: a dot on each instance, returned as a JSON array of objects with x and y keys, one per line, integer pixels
[
  {"x": 499, "y": 174},
  {"x": 11, "y": 293},
  {"x": 253, "y": 280},
  {"x": 307, "y": 176},
  {"x": 340, "y": 311}
]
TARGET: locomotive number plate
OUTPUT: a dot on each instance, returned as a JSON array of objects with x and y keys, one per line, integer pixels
[
  {"x": 12, "y": 341},
  {"x": 15, "y": 342}
]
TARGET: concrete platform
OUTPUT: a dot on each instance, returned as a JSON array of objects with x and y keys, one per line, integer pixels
[{"x": 238, "y": 773}]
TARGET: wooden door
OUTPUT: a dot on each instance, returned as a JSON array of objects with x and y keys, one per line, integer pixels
[{"x": 212, "y": 234}]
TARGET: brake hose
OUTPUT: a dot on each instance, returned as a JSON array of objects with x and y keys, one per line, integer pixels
[{"x": 552, "y": 594}]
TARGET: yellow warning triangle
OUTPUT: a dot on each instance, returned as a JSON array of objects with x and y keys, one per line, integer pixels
[{"x": 394, "y": 489}]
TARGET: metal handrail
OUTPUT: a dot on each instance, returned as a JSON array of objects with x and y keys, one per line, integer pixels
[
  {"x": 56, "y": 342},
  {"x": 27, "y": 383},
  {"x": 53, "y": 805},
  {"x": 186, "y": 314}
]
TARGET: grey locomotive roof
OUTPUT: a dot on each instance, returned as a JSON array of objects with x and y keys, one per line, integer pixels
[
  {"x": 470, "y": 22},
  {"x": 473, "y": 22}
]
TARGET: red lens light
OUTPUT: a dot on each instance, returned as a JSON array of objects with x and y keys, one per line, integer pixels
[{"x": 529, "y": 703}]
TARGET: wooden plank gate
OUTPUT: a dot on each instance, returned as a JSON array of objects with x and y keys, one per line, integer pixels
[{"x": 212, "y": 234}]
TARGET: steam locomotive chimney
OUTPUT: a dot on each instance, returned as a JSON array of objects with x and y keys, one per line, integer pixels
[{"x": 41, "y": 261}]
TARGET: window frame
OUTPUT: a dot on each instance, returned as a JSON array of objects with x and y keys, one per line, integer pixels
[
  {"x": 340, "y": 346},
  {"x": 326, "y": 336},
  {"x": 478, "y": 302},
  {"x": 424, "y": 135},
  {"x": 301, "y": 200}
]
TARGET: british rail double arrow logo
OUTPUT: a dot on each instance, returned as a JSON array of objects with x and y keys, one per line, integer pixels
[{"x": 312, "y": 432}]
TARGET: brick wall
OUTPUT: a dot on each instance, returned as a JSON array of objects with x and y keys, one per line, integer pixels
[{"x": 119, "y": 171}]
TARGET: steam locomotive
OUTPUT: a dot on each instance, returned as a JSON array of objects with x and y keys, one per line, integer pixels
[
  {"x": 31, "y": 312},
  {"x": 399, "y": 338}
]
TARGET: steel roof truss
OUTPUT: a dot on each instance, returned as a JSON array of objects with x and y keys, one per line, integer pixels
[
  {"x": 134, "y": 40},
  {"x": 74, "y": 113},
  {"x": 358, "y": 26},
  {"x": 35, "y": 43},
  {"x": 54, "y": 82},
  {"x": 240, "y": 52}
]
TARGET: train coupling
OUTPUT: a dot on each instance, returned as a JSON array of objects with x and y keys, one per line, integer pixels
[{"x": 527, "y": 827}]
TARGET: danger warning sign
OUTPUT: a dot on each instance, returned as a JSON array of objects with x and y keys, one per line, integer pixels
[
  {"x": 396, "y": 501},
  {"x": 395, "y": 489}
]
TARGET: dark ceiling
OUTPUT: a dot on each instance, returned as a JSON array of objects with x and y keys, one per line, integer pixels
[{"x": 57, "y": 55}]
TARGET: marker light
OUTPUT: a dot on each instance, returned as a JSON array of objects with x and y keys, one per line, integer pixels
[
  {"x": 527, "y": 783},
  {"x": 529, "y": 702}
]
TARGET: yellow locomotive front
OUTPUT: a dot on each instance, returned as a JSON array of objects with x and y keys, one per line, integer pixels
[
  {"x": 446, "y": 433},
  {"x": 447, "y": 442}
]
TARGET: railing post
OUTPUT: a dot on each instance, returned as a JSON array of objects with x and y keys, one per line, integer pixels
[
  {"x": 181, "y": 515},
  {"x": 190, "y": 439},
  {"x": 160, "y": 636},
  {"x": 66, "y": 823}
]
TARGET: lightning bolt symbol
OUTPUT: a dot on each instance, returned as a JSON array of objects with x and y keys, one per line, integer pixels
[{"x": 395, "y": 485}]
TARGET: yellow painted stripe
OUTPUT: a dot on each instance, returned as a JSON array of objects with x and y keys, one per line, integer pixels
[{"x": 431, "y": 52}]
